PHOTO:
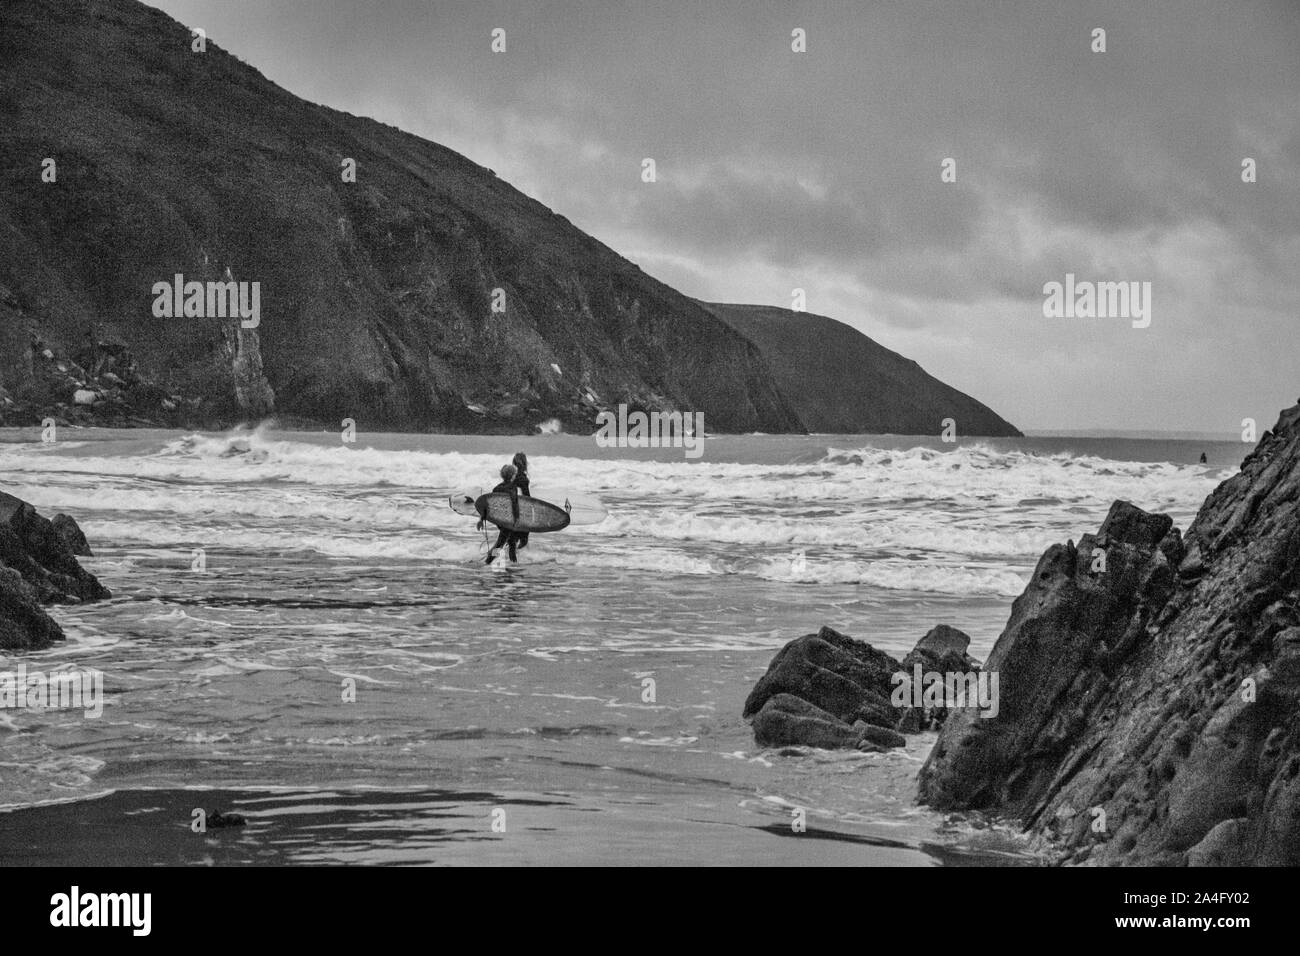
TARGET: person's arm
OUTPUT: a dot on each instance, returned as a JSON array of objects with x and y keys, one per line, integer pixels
[{"x": 514, "y": 502}]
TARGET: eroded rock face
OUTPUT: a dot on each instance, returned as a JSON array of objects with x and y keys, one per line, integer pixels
[
  {"x": 37, "y": 567},
  {"x": 829, "y": 690},
  {"x": 1149, "y": 685}
]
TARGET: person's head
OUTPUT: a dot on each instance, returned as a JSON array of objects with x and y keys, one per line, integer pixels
[
  {"x": 508, "y": 472},
  {"x": 521, "y": 461}
]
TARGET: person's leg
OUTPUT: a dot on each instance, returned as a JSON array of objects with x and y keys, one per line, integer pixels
[
  {"x": 522, "y": 539},
  {"x": 510, "y": 546},
  {"x": 502, "y": 538}
]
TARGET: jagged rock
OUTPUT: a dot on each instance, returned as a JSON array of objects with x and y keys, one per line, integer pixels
[
  {"x": 1163, "y": 689},
  {"x": 36, "y": 567},
  {"x": 31, "y": 546},
  {"x": 71, "y": 535}
]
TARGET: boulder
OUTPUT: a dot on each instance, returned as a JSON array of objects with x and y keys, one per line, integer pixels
[
  {"x": 829, "y": 690},
  {"x": 844, "y": 677},
  {"x": 942, "y": 640}
]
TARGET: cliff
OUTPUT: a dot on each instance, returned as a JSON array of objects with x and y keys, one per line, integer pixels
[
  {"x": 376, "y": 296},
  {"x": 1150, "y": 686}
]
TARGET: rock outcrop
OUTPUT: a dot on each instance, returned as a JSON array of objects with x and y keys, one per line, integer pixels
[
  {"x": 1150, "y": 686},
  {"x": 38, "y": 567},
  {"x": 831, "y": 691},
  {"x": 95, "y": 383}
]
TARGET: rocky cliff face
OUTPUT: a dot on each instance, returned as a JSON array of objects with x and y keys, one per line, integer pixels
[
  {"x": 38, "y": 566},
  {"x": 377, "y": 296},
  {"x": 426, "y": 294},
  {"x": 1150, "y": 686}
]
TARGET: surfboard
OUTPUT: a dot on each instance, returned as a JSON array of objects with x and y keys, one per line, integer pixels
[
  {"x": 581, "y": 509},
  {"x": 535, "y": 516}
]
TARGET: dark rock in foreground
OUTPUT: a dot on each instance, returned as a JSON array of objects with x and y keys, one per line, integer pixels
[
  {"x": 38, "y": 567},
  {"x": 1150, "y": 686},
  {"x": 829, "y": 690}
]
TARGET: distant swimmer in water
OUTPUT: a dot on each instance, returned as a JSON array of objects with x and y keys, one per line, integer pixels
[
  {"x": 507, "y": 486},
  {"x": 1203, "y": 459},
  {"x": 520, "y": 462}
]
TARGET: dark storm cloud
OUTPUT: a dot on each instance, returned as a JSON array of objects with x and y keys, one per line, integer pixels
[{"x": 821, "y": 170}]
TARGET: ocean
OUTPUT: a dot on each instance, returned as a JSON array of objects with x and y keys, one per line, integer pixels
[{"x": 304, "y": 633}]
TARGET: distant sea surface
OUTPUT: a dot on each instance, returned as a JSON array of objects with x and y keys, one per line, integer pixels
[{"x": 581, "y": 707}]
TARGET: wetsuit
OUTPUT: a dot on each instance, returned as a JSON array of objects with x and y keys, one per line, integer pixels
[{"x": 505, "y": 537}]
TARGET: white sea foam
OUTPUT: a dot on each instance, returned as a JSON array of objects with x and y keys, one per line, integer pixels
[{"x": 966, "y": 520}]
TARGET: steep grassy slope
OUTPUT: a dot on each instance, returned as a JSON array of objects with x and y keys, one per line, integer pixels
[
  {"x": 838, "y": 380},
  {"x": 375, "y": 295}
]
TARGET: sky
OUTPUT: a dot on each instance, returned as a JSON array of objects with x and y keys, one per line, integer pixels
[{"x": 822, "y": 170}]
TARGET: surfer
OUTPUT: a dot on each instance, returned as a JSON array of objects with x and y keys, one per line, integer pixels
[
  {"x": 520, "y": 461},
  {"x": 507, "y": 486}
]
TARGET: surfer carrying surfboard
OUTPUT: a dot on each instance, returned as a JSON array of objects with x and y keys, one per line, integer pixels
[
  {"x": 511, "y": 507},
  {"x": 508, "y": 538}
]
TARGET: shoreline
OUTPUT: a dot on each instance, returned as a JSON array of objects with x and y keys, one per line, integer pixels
[{"x": 357, "y": 826}]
